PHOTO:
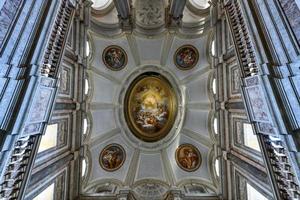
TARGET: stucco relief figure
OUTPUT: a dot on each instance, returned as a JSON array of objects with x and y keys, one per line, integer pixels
[
  {"x": 114, "y": 57},
  {"x": 150, "y": 108},
  {"x": 150, "y": 13},
  {"x": 258, "y": 105},
  {"x": 112, "y": 157},
  {"x": 186, "y": 57},
  {"x": 188, "y": 157}
]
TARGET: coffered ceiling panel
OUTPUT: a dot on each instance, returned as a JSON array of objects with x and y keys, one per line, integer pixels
[
  {"x": 202, "y": 173},
  {"x": 106, "y": 89},
  {"x": 198, "y": 90},
  {"x": 150, "y": 166},
  {"x": 197, "y": 121},
  {"x": 98, "y": 45},
  {"x": 103, "y": 122},
  {"x": 150, "y": 49},
  {"x": 97, "y": 173}
]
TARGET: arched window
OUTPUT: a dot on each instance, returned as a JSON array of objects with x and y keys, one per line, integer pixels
[
  {"x": 87, "y": 48},
  {"x": 100, "y": 4},
  {"x": 201, "y": 3},
  {"x": 214, "y": 86},
  {"x": 216, "y": 125},
  {"x": 86, "y": 86},
  {"x": 83, "y": 167},
  {"x": 85, "y": 124},
  {"x": 217, "y": 166},
  {"x": 213, "y": 48}
]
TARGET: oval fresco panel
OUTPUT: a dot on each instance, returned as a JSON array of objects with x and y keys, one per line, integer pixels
[
  {"x": 188, "y": 157},
  {"x": 186, "y": 57},
  {"x": 114, "y": 57},
  {"x": 112, "y": 157},
  {"x": 150, "y": 107}
]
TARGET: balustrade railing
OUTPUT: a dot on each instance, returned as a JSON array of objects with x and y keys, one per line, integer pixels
[
  {"x": 278, "y": 161},
  {"x": 21, "y": 160},
  {"x": 17, "y": 167},
  {"x": 57, "y": 39}
]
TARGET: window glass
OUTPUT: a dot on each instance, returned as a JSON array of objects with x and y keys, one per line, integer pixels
[
  {"x": 86, "y": 86},
  {"x": 213, "y": 49},
  {"x": 87, "y": 48},
  {"x": 99, "y": 3},
  {"x": 217, "y": 166},
  {"x": 47, "y": 194},
  {"x": 250, "y": 139},
  {"x": 49, "y": 139},
  {"x": 83, "y": 167},
  {"x": 201, "y": 3},
  {"x": 216, "y": 126},
  {"x": 84, "y": 126},
  {"x": 214, "y": 86},
  {"x": 253, "y": 194}
]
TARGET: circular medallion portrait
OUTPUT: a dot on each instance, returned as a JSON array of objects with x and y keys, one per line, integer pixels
[
  {"x": 188, "y": 157},
  {"x": 114, "y": 57},
  {"x": 186, "y": 57},
  {"x": 150, "y": 107},
  {"x": 112, "y": 157}
]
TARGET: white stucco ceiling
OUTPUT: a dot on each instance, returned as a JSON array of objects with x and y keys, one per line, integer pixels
[
  {"x": 149, "y": 167},
  {"x": 143, "y": 163}
]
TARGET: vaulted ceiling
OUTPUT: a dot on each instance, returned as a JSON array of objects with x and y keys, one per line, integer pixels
[{"x": 150, "y": 168}]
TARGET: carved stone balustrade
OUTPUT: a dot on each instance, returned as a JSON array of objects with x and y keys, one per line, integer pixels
[{"x": 277, "y": 158}]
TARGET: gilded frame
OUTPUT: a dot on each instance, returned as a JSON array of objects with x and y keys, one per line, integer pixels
[
  {"x": 107, "y": 64},
  {"x": 195, "y": 149},
  {"x": 172, "y": 105},
  {"x": 178, "y": 50}
]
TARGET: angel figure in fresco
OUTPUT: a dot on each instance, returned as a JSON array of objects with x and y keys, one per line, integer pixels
[
  {"x": 186, "y": 57},
  {"x": 151, "y": 112}
]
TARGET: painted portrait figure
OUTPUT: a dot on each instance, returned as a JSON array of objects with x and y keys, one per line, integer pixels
[
  {"x": 114, "y": 57},
  {"x": 186, "y": 57},
  {"x": 112, "y": 157},
  {"x": 188, "y": 157}
]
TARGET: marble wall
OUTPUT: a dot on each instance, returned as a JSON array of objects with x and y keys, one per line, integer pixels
[
  {"x": 292, "y": 13},
  {"x": 7, "y": 15}
]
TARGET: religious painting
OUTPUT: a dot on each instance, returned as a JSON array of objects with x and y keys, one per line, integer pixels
[
  {"x": 186, "y": 57},
  {"x": 112, "y": 157},
  {"x": 114, "y": 57},
  {"x": 150, "y": 107},
  {"x": 188, "y": 157}
]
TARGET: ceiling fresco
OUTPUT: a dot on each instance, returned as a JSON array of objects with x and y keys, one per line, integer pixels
[
  {"x": 112, "y": 157},
  {"x": 150, "y": 112},
  {"x": 114, "y": 57},
  {"x": 188, "y": 157},
  {"x": 186, "y": 57},
  {"x": 150, "y": 107}
]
